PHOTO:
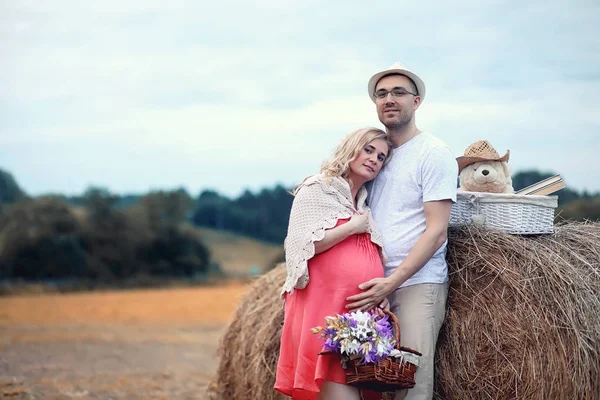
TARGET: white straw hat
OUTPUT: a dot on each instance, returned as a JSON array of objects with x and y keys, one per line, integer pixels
[{"x": 397, "y": 68}]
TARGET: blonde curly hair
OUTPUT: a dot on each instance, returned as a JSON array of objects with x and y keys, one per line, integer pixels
[{"x": 339, "y": 163}]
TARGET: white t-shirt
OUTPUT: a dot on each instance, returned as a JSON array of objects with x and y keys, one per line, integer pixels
[{"x": 421, "y": 170}]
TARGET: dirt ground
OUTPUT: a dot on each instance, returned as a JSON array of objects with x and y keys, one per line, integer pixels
[{"x": 138, "y": 344}]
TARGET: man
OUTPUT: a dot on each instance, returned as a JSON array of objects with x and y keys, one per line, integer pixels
[{"x": 410, "y": 201}]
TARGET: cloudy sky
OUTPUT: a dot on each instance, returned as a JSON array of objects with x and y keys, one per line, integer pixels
[{"x": 137, "y": 95}]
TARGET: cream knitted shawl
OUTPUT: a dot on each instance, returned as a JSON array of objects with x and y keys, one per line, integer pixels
[{"x": 317, "y": 206}]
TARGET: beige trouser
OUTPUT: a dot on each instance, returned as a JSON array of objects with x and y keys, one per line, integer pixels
[{"x": 420, "y": 310}]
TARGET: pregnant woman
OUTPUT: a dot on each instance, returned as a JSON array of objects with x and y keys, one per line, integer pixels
[{"x": 332, "y": 246}]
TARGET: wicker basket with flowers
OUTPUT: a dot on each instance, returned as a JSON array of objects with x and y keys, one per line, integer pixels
[{"x": 369, "y": 347}]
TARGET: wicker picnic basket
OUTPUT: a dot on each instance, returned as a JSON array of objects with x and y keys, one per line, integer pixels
[
  {"x": 388, "y": 374},
  {"x": 511, "y": 213}
]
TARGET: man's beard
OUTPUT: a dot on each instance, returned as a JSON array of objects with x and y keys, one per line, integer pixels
[{"x": 398, "y": 124}]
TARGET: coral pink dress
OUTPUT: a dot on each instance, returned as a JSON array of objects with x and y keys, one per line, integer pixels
[{"x": 334, "y": 275}]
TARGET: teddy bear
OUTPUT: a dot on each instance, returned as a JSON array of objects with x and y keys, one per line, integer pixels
[{"x": 481, "y": 169}]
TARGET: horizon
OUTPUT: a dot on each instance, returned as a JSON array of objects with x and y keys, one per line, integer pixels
[{"x": 241, "y": 192}]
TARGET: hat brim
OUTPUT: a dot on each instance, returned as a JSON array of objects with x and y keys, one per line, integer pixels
[
  {"x": 377, "y": 77},
  {"x": 465, "y": 161}
]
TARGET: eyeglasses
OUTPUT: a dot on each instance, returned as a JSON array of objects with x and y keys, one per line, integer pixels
[{"x": 396, "y": 92}]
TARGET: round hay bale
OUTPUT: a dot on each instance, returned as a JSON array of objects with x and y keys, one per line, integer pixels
[
  {"x": 523, "y": 316},
  {"x": 523, "y": 321}
]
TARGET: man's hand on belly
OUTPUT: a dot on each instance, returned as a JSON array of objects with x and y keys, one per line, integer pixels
[{"x": 374, "y": 291}]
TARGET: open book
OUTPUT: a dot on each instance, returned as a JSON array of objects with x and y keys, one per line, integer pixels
[{"x": 547, "y": 186}]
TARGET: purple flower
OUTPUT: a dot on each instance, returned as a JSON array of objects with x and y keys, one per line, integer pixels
[
  {"x": 331, "y": 345},
  {"x": 330, "y": 332},
  {"x": 364, "y": 334},
  {"x": 376, "y": 358},
  {"x": 345, "y": 319},
  {"x": 383, "y": 327}
]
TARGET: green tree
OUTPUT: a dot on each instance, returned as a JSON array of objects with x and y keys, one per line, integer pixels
[
  {"x": 172, "y": 249},
  {"x": 213, "y": 211},
  {"x": 9, "y": 189},
  {"x": 263, "y": 215},
  {"x": 40, "y": 239},
  {"x": 99, "y": 202},
  {"x": 167, "y": 209},
  {"x": 581, "y": 209},
  {"x": 109, "y": 238}
]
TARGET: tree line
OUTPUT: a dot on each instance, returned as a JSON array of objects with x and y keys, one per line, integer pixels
[
  {"x": 94, "y": 242},
  {"x": 264, "y": 215},
  {"x": 105, "y": 237}
]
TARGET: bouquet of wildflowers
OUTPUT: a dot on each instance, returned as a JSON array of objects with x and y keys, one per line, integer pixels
[{"x": 366, "y": 336}]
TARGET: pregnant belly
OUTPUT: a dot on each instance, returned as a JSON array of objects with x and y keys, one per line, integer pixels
[{"x": 346, "y": 265}]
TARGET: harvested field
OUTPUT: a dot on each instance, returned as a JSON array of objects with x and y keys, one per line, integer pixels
[{"x": 139, "y": 344}]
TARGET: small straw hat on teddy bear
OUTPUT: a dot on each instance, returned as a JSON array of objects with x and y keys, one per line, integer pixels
[{"x": 480, "y": 151}]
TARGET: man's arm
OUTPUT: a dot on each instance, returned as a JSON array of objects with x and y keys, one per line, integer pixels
[{"x": 437, "y": 214}]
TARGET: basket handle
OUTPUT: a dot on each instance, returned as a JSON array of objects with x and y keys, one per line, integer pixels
[{"x": 396, "y": 326}]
